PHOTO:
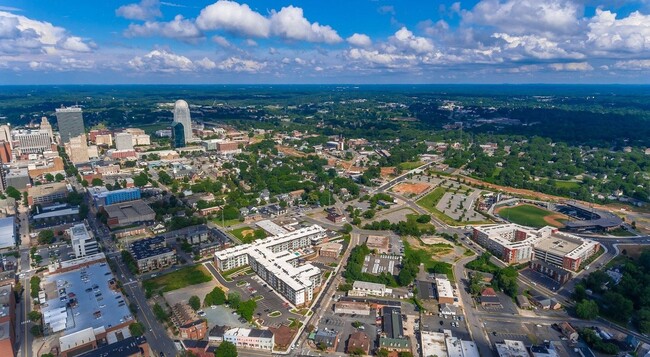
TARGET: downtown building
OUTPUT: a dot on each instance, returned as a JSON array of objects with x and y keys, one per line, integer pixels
[
  {"x": 275, "y": 260},
  {"x": 515, "y": 244},
  {"x": 82, "y": 243},
  {"x": 71, "y": 123}
]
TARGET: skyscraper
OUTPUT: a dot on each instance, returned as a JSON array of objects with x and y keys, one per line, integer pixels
[
  {"x": 178, "y": 135},
  {"x": 71, "y": 123},
  {"x": 46, "y": 127},
  {"x": 182, "y": 115}
]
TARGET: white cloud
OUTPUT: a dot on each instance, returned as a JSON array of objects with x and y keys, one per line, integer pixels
[
  {"x": 235, "y": 64},
  {"x": 251, "y": 43},
  {"x": 179, "y": 28},
  {"x": 386, "y": 9},
  {"x": 439, "y": 28},
  {"x": 635, "y": 65},
  {"x": 21, "y": 35},
  {"x": 405, "y": 39},
  {"x": 526, "y": 16},
  {"x": 233, "y": 17},
  {"x": 381, "y": 58},
  {"x": 631, "y": 33},
  {"x": 144, "y": 10},
  {"x": 359, "y": 40},
  {"x": 532, "y": 46},
  {"x": 221, "y": 41},
  {"x": 289, "y": 23},
  {"x": 571, "y": 67},
  {"x": 206, "y": 63},
  {"x": 161, "y": 61},
  {"x": 300, "y": 61}
]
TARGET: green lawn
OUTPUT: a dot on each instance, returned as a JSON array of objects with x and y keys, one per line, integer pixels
[
  {"x": 181, "y": 278},
  {"x": 526, "y": 215},
  {"x": 430, "y": 201},
  {"x": 248, "y": 238},
  {"x": 226, "y": 223},
  {"x": 570, "y": 185},
  {"x": 410, "y": 165},
  {"x": 620, "y": 232},
  {"x": 430, "y": 265}
]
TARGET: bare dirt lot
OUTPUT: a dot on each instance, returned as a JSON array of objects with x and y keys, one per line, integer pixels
[{"x": 411, "y": 188}]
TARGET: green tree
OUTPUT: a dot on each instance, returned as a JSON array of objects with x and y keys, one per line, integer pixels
[
  {"x": 13, "y": 193},
  {"x": 136, "y": 329},
  {"x": 234, "y": 300},
  {"x": 34, "y": 316},
  {"x": 247, "y": 308},
  {"x": 59, "y": 177},
  {"x": 587, "y": 309},
  {"x": 97, "y": 182},
  {"x": 347, "y": 228},
  {"x": 226, "y": 349},
  {"x": 382, "y": 352},
  {"x": 194, "y": 302},
  {"x": 215, "y": 297},
  {"x": 46, "y": 236},
  {"x": 141, "y": 180},
  {"x": 36, "y": 330},
  {"x": 48, "y": 177}
]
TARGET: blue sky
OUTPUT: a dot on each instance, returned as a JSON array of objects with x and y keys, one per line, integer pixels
[{"x": 334, "y": 41}]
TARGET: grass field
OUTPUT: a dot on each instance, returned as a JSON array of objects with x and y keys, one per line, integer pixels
[
  {"x": 226, "y": 223},
  {"x": 410, "y": 165},
  {"x": 181, "y": 278},
  {"x": 252, "y": 235},
  {"x": 526, "y": 215},
  {"x": 426, "y": 258},
  {"x": 571, "y": 185}
]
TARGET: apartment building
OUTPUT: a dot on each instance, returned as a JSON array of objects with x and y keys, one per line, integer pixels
[
  {"x": 275, "y": 260},
  {"x": 47, "y": 193},
  {"x": 513, "y": 244},
  {"x": 152, "y": 254}
]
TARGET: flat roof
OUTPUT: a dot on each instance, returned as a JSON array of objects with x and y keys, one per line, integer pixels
[
  {"x": 128, "y": 209},
  {"x": 82, "y": 298},
  {"x": 149, "y": 247},
  {"x": 511, "y": 348},
  {"x": 7, "y": 232},
  {"x": 57, "y": 213},
  {"x": 271, "y": 227},
  {"x": 558, "y": 245},
  {"x": 443, "y": 288},
  {"x": 433, "y": 343},
  {"x": 126, "y": 347}
]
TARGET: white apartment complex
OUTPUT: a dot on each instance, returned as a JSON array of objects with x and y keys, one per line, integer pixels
[
  {"x": 513, "y": 243},
  {"x": 275, "y": 260}
]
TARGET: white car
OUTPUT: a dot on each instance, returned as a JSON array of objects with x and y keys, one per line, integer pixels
[{"x": 213, "y": 307}]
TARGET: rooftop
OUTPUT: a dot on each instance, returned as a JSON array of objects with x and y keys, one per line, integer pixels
[
  {"x": 83, "y": 298},
  {"x": 129, "y": 209},
  {"x": 125, "y": 347},
  {"x": 149, "y": 247},
  {"x": 511, "y": 348},
  {"x": 7, "y": 232}
]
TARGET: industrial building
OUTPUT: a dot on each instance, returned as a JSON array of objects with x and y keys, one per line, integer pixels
[
  {"x": 275, "y": 260},
  {"x": 127, "y": 213},
  {"x": 514, "y": 244}
]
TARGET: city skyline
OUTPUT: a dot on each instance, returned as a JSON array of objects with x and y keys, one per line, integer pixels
[{"x": 251, "y": 42}]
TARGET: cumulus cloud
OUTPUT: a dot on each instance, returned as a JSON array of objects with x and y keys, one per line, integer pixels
[
  {"x": 206, "y": 63},
  {"x": 161, "y": 61},
  {"x": 381, "y": 58},
  {"x": 531, "y": 46},
  {"x": 525, "y": 16},
  {"x": 405, "y": 39},
  {"x": 631, "y": 33},
  {"x": 179, "y": 28},
  {"x": 221, "y": 41},
  {"x": 235, "y": 64},
  {"x": 571, "y": 67},
  {"x": 20, "y": 35},
  {"x": 359, "y": 40},
  {"x": 144, "y": 10},
  {"x": 634, "y": 65},
  {"x": 289, "y": 23}
]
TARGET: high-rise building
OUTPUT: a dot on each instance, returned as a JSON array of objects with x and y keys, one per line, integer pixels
[
  {"x": 182, "y": 115},
  {"x": 178, "y": 135},
  {"x": 47, "y": 127},
  {"x": 71, "y": 123},
  {"x": 123, "y": 141},
  {"x": 77, "y": 149},
  {"x": 5, "y": 134}
]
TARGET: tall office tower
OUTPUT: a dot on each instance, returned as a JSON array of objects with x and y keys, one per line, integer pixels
[
  {"x": 47, "y": 127},
  {"x": 77, "y": 149},
  {"x": 71, "y": 123},
  {"x": 182, "y": 115},
  {"x": 123, "y": 141},
  {"x": 5, "y": 134},
  {"x": 178, "y": 135}
]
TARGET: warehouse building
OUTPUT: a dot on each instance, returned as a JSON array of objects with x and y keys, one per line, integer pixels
[{"x": 127, "y": 213}]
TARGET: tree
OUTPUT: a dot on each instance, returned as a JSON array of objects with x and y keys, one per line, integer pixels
[
  {"x": 97, "y": 182},
  {"x": 13, "y": 193},
  {"x": 382, "y": 352},
  {"x": 36, "y": 330},
  {"x": 425, "y": 218},
  {"x": 347, "y": 228},
  {"x": 234, "y": 300},
  {"x": 226, "y": 349},
  {"x": 247, "y": 308},
  {"x": 405, "y": 354},
  {"x": 141, "y": 180},
  {"x": 356, "y": 351},
  {"x": 136, "y": 329},
  {"x": 59, "y": 177},
  {"x": 48, "y": 177},
  {"x": 194, "y": 302},
  {"x": 34, "y": 316},
  {"x": 587, "y": 309},
  {"x": 46, "y": 236}
]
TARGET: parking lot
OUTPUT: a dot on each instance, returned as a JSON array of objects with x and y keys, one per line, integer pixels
[
  {"x": 436, "y": 323},
  {"x": 541, "y": 279},
  {"x": 55, "y": 252},
  {"x": 270, "y": 301},
  {"x": 508, "y": 306},
  {"x": 342, "y": 323}
]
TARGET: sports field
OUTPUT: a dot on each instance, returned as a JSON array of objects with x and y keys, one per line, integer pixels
[{"x": 532, "y": 216}]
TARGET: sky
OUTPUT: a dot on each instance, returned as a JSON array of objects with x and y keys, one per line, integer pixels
[{"x": 324, "y": 42}]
